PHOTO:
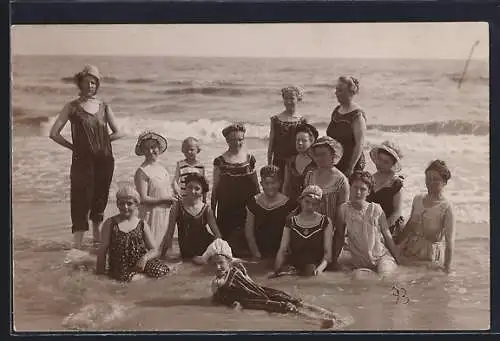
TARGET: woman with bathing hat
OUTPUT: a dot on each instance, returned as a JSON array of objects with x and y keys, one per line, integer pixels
[
  {"x": 92, "y": 164},
  {"x": 348, "y": 126},
  {"x": 153, "y": 184},
  {"x": 388, "y": 185}
]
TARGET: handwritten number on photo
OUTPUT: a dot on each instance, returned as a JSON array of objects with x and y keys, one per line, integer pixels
[{"x": 401, "y": 294}]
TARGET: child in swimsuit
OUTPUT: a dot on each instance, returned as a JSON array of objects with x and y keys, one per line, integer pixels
[
  {"x": 233, "y": 287},
  {"x": 190, "y": 148},
  {"x": 128, "y": 243},
  {"x": 191, "y": 216}
]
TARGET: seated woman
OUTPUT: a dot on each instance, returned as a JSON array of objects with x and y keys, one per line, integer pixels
[
  {"x": 191, "y": 215},
  {"x": 266, "y": 215},
  {"x": 307, "y": 237},
  {"x": 234, "y": 287},
  {"x": 128, "y": 243},
  {"x": 429, "y": 234},
  {"x": 369, "y": 244},
  {"x": 387, "y": 184}
]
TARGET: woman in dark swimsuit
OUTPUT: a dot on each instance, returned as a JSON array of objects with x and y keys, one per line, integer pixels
[
  {"x": 92, "y": 163},
  {"x": 348, "y": 126},
  {"x": 388, "y": 185}
]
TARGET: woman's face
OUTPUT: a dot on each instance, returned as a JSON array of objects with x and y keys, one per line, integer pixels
[
  {"x": 343, "y": 93},
  {"x": 127, "y": 207},
  {"x": 324, "y": 156},
  {"x": 290, "y": 100},
  {"x": 88, "y": 85},
  {"x": 151, "y": 149},
  {"x": 221, "y": 264},
  {"x": 308, "y": 204},
  {"x": 303, "y": 142},
  {"x": 235, "y": 140},
  {"x": 434, "y": 182},
  {"x": 194, "y": 190},
  {"x": 359, "y": 191},
  {"x": 270, "y": 186},
  {"x": 384, "y": 162}
]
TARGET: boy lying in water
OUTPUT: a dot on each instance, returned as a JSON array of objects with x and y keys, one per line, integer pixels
[{"x": 234, "y": 288}]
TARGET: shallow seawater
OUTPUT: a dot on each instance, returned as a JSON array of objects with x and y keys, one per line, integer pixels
[{"x": 52, "y": 295}]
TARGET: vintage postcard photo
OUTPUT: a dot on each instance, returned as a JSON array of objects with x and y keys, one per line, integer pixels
[{"x": 259, "y": 177}]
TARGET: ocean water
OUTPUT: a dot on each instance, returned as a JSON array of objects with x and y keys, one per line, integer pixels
[{"x": 415, "y": 103}]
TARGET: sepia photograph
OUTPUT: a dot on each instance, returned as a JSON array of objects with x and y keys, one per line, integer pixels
[{"x": 251, "y": 177}]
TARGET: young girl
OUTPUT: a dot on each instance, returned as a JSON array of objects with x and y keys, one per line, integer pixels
[
  {"x": 127, "y": 242},
  {"x": 307, "y": 237},
  {"x": 92, "y": 164},
  {"x": 282, "y": 132},
  {"x": 369, "y": 243},
  {"x": 429, "y": 234},
  {"x": 235, "y": 183},
  {"x": 388, "y": 185},
  {"x": 297, "y": 166},
  {"x": 191, "y": 215},
  {"x": 266, "y": 215},
  {"x": 153, "y": 184},
  {"x": 190, "y": 149},
  {"x": 233, "y": 287}
]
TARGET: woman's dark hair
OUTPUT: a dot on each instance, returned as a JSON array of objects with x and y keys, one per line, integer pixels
[
  {"x": 308, "y": 129},
  {"x": 362, "y": 176},
  {"x": 382, "y": 151},
  {"x": 232, "y": 128},
  {"x": 195, "y": 177},
  {"x": 269, "y": 171},
  {"x": 440, "y": 167}
]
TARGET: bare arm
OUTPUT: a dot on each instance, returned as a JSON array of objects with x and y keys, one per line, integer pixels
[
  {"x": 212, "y": 223},
  {"x": 166, "y": 243},
  {"x": 103, "y": 249},
  {"x": 281, "y": 255},
  {"x": 286, "y": 180},
  {"x": 175, "y": 182},
  {"x": 449, "y": 235},
  {"x": 271, "y": 144},
  {"x": 328, "y": 239},
  {"x": 359, "y": 131},
  {"x": 342, "y": 194},
  {"x": 115, "y": 132},
  {"x": 57, "y": 127},
  {"x": 389, "y": 242},
  {"x": 339, "y": 234},
  {"x": 213, "y": 198},
  {"x": 250, "y": 234},
  {"x": 409, "y": 226},
  {"x": 397, "y": 203},
  {"x": 142, "y": 187}
]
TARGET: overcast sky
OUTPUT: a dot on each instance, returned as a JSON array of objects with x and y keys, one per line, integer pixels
[{"x": 345, "y": 40}]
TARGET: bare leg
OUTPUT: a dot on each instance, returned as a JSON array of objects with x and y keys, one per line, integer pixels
[
  {"x": 96, "y": 233},
  {"x": 78, "y": 239}
]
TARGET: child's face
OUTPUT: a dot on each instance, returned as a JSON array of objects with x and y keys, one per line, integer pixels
[
  {"x": 194, "y": 190},
  {"x": 151, "y": 149},
  {"x": 235, "y": 140},
  {"x": 359, "y": 191},
  {"x": 127, "y": 207},
  {"x": 270, "y": 186},
  {"x": 303, "y": 142},
  {"x": 221, "y": 265},
  {"x": 309, "y": 205},
  {"x": 324, "y": 156},
  {"x": 190, "y": 151}
]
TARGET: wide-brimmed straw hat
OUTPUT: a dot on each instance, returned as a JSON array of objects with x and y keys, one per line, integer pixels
[
  {"x": 149, "y": 135},
  {"x": 88, "y": 70},
  {"x": 333, "y": 144},
  {"x": 392, "y": 149}
]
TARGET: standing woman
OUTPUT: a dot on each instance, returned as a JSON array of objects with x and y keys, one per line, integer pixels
[
  {"x": 153, "y": 184},
  {"x": 348, "y": 126},
  {"x": 235, "y": 182},
  {"x": 283, "y": 126},
  {"x": 92, "y": 163}
]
